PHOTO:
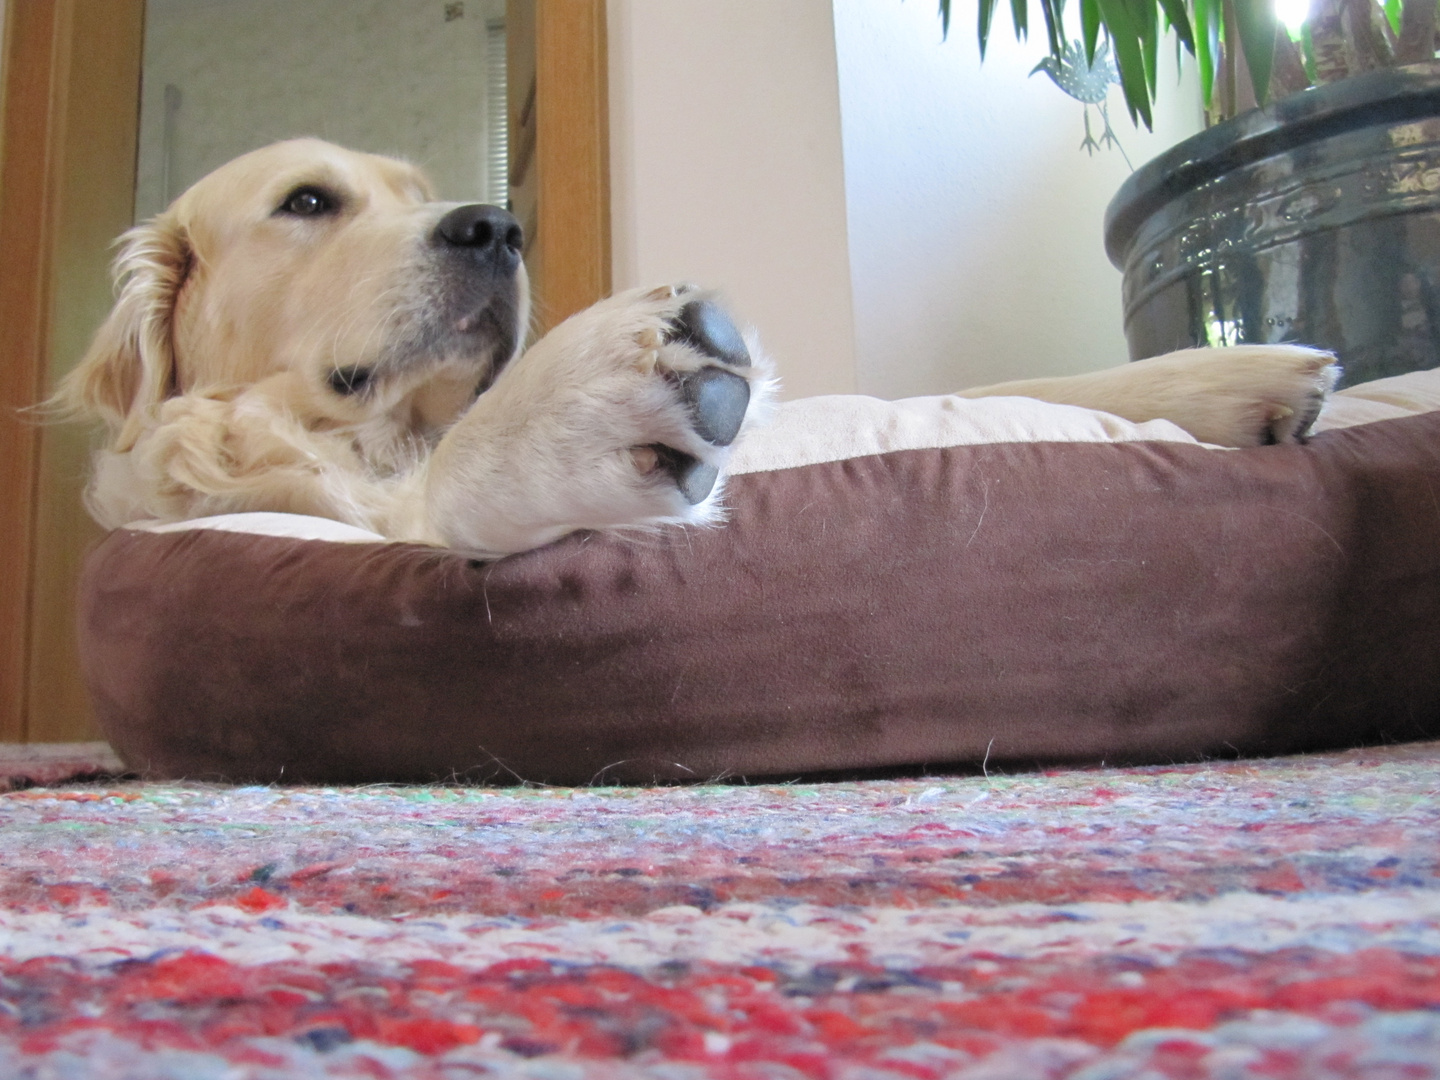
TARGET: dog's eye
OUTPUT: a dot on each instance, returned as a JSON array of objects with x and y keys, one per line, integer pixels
[
  {"x": 349, "y": 380},
  {"x": 309, "y": 202}
]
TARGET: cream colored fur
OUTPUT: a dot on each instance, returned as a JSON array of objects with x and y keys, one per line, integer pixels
[
  {"x": 1243, "y": 395},
  {"x": 213, "y": 375}
]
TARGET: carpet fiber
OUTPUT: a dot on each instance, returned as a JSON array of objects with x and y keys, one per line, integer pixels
[{"x": 1238, "y": 919}]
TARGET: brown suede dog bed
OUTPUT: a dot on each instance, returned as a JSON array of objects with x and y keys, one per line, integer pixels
[{"x": 912, "y": 584}]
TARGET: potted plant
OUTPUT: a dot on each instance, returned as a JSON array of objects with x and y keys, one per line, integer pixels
[{"x": 1310, "y": 210}]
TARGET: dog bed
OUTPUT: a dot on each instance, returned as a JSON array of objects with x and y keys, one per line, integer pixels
[{"x": 910, "y": 584}]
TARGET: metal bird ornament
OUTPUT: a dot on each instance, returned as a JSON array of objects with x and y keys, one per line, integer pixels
[{"x": 1088, "y": 84}]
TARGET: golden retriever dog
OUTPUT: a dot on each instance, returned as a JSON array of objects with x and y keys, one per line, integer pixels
[{"x": 307, "y": 330}]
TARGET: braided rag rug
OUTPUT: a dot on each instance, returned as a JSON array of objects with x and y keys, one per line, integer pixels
[{"x": 1271, "y": 919}]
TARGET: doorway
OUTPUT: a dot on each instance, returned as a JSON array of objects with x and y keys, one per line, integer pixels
[{"x": 110, "y": 107}]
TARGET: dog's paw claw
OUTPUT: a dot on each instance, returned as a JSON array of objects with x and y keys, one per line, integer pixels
[
  {"x": 705, "y": 325},
  {"x": 1292, "y": 422},
  {"x": 1299, "y": 428},
  {"x": 1242, "y": 395},
  {"x": 693, "y": 477},
  {"x": 717, "y": 400}
]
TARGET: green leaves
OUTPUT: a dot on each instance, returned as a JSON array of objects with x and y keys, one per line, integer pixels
[
  {"x": 1132, "y": 36},
  {"x": 1207, "y": 44},
  {"x": 1392, "y": 14},
  {"x": 1179, "y": 20},
  {"x": 1133, "y": 28},
  {"x": 1220, "y": 34},
  {"x": 1256, "y": 22},
  {"x": 1090, "y": 27},
  {"x": 1053, "y": 27},
  {"x": 1052, "y": 10}
]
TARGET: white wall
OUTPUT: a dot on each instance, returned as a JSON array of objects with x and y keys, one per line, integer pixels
[
  {"x": 976, "y": 252},
  {"x": 726, "y": 169},
  {"x": 894, "y": 218}
]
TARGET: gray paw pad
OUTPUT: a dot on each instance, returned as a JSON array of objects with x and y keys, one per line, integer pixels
[
  {"x": 718, "y": 400},
  {"x": 693, "y": 477},
  {"x": 704, "y": 325}
]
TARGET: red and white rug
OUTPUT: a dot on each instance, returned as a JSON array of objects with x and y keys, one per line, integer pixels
[{"x": 1240, "y": 919}]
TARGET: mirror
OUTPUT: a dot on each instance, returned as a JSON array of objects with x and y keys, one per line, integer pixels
[{"x": 418, "y": 79}]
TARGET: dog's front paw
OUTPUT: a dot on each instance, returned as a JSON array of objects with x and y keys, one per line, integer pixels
[
  {"x": 701, "y": 352},
  {"x": 622, "y": 416}
]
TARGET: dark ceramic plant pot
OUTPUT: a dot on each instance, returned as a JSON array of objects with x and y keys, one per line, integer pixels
[{"x": 1314, "y": 220}]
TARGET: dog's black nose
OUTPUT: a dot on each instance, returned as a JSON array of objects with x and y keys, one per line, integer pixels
[{"x": 482, "y": 227}]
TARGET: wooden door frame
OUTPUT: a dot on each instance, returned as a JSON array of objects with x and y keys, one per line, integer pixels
[
  {"x": 67, "y": 166},
  {"x": 44, "y": 152},
  {"x": 560, "y": 150}
]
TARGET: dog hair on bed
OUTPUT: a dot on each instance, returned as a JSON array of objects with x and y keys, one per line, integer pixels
[{"x": 308, "y": 330}]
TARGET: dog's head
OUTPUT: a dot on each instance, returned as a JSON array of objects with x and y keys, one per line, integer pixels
[{"x": 331, "y": 277}]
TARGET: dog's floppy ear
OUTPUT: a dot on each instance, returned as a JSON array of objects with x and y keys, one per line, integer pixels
[{"x": 130, "y": 366}]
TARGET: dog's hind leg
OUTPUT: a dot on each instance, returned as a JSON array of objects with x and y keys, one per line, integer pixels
[{"x": 1244, "y": 395}]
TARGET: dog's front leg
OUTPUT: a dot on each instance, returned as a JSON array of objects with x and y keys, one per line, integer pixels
[
  {"x": 1244, "y": 395},
  {"x": 621, "y": 417}
]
